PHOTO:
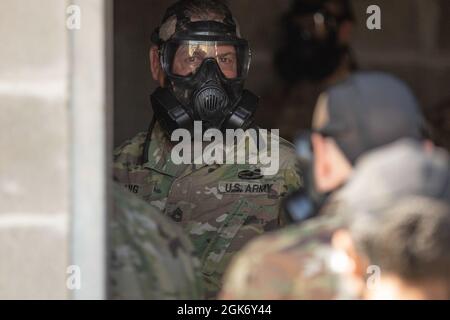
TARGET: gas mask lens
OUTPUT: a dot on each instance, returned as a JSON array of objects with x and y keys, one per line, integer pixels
[
  {"x": 184, "y": 58},
  {"x": 312, "y": 27}
]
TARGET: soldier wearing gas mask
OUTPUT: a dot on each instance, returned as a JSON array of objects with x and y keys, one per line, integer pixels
[
  {"x": 314, "y": 53},
  {"x": 201, "y": 62},
  {"x": 205, "y": 64}
]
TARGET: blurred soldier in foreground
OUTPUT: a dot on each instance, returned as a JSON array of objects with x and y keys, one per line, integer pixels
[
  {"x": 361, "y": 114},
  {"x": 314, "y": 54},
  {"x": 150, "y": 257},
  {"x": 396, "y": 240},
  {"x": 201, "y": 63}
]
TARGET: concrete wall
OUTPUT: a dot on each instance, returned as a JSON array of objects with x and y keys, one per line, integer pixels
[
  {"x": 34, "y": 139},
  {"x": 54, "y": 148},
  {"x": 413, "y": 44}
]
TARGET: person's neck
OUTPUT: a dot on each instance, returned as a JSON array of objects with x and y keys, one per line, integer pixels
[{"x": 391, "y": 287}]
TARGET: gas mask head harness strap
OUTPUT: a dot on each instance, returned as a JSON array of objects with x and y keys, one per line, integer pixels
[
  {"x": 205, "y": 65},
  {"x": 184, "y": 23}
]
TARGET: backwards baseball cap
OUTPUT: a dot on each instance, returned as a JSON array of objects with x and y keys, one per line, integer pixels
[{"x": 369, "y": 110}]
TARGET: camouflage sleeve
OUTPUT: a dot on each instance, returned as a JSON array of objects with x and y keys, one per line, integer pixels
[
  {"x": 150, "y": 258},
  {"x": 292, "y": 175},
  {"x": 295, "y": 263},
  {"x": 127, "y": 156},
  {"x": 290, "y": 166}
]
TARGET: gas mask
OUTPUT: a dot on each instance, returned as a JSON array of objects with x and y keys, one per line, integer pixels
[
  {"x": 205, "y": 64},
  {"x": 311, "y": 50}
]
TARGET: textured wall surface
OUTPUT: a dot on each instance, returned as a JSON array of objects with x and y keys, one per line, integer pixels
[
  {"x": 53, "y": 121},
  {"x": 413, "y": 44},
  {"x": 34, "y": 163}
]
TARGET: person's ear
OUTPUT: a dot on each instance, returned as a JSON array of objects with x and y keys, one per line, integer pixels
[
  {"x": 428, "y": 146},
  {"x": 155, "y": 66},
  {"x": 321, "y": 164},
  {"x": 331, "y": 167},
  {"x": 357, "y": 265},
  {"x": 345, "y": 32}
]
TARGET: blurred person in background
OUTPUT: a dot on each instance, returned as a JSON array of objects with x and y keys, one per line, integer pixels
[
  {"x": 314, "y": 54},
  {"x": 364, "y": 112},
  {"x": 201, "y": 62},
  {"x": 367, "y": 111},
  {"x": 396, "y": 239},
  {"x": 150, "y": 257}
]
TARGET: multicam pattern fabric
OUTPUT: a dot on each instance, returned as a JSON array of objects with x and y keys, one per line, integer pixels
[
  {"x": 296, "y": 263},
  {"x": 219, "y": 206},
  {"x": 150, "y": 256}
]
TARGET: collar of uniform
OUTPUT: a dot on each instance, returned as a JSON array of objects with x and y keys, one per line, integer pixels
[
  {"x": 159, "y": 156},
  {"x": 159, "y": 153}
]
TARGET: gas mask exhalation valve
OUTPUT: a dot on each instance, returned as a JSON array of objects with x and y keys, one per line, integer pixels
[{"x": 209, "y": 101}]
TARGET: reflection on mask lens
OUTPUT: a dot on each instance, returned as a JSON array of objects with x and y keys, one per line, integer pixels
[
  {"x": 184, "y": 58},
  {"x": 188, "y": 58}
]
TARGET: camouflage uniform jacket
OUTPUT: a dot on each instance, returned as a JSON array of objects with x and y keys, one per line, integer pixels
[
  {"x": 215, "y": 204},
  {"x": 296, "y": 263},
  {"x": 150, "y": 257}
]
